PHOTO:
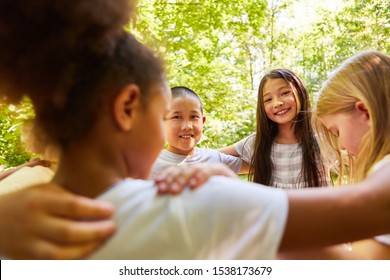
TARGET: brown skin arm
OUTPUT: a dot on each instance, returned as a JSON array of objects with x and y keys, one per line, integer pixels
[
  {"x": 322, "y": 217},
  {"x": 368, "y": 249}
]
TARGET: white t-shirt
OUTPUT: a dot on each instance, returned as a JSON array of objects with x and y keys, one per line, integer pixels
[
  {"x": 286, "y": 159},
  {"x": 385, "y": 239},
  {"x": 167, "y": 158},
  {"x": 224, "y": 219}
]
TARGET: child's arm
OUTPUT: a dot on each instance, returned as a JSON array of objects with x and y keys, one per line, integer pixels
[
  {"x": 47, "y": 222},
  {"x": 348, "y": 213},
  {"x": 245, "y": 167},
  {"x": 368, "y": 249},
  {"x": 229, "y": 150},
  {"x": 175, "y": 178},
  {"x": 31, "y": 163}
]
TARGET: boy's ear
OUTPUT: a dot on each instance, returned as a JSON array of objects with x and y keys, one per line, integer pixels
[
  {"x": 125, "y": 105},
  {"x": 204, "y": 119},
  {"x": 361, "y": 108}
]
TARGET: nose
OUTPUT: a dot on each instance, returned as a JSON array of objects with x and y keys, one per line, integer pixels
[
  {"x": 277, "y": 103},
  {"x": 186, "y": 124}
]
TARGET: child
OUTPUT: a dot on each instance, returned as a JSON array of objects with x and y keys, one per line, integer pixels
[
  {"x": 119, "y": 97},
  {"x": 184, "y": 127},
  {"x": 352, "y": 114},
  {"x": 283, "y": 152}
]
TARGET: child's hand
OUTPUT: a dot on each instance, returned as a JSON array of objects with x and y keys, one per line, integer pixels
[
  {"x": 47, "y": 222},
  {"x": 173, "y": 179},
  {"x": 38, "y": 161}
]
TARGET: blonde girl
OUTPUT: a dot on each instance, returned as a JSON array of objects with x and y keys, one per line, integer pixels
[
  {"x": 361, "y": 84},
  {"x": 353, "y": 123}
]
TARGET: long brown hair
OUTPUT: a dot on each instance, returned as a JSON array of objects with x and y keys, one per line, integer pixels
[{"x": 266, "y": 130}]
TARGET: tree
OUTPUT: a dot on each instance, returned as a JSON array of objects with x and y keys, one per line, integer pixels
[
  {"x": 211, "y": 52},
  {"x": 12, "y": 152}
]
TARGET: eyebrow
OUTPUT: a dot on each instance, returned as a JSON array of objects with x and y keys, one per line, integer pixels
[
  {"x": 180, "y": 112},
  {"x": 277, "y": 90}
]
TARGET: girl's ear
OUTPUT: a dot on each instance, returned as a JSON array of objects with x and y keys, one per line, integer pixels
[
  {"x": 361, "y": 108},
  {"x": 125, "y": 105}
]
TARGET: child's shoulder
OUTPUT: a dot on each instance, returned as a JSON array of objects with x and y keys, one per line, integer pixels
[
  {"x": 206, "y": 151},
  {"x": 210, "y": 153}
]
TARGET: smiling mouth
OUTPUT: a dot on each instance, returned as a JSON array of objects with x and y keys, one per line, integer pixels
[
  {"x": 282, "y": 112},
  {"x": 186, "y": 136}
]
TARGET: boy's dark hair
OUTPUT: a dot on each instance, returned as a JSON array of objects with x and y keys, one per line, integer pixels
[{"x": 181, "y": 91}]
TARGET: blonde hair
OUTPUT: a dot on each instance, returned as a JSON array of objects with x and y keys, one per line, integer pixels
[{"x": 365, "y": 77}]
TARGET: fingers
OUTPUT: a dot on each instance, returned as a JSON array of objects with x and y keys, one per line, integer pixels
[
  {"x": 37, "y": 161},
  {"x": 59, "y": 202},
  {"x": 205, "y": 172},
  {"x": 175, "y": 178},
  {"x": 82, "y": 208},
  {"x": 44, "y": 250},
  {"x": 68, "y": 232},
  {"x": 47, "y": 222}
]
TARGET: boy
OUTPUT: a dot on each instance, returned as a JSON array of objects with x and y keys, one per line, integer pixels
[{"x": 184, "y": 128}]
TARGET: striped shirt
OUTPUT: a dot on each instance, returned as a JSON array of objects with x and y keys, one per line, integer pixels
[{"x": 286, "y": 159}]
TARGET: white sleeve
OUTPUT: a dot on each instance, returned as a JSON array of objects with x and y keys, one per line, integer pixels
[
  {"x": 233, "y": 162},
  {"x": 245, "y": 147},
  {"x": 384, "y": 239}
]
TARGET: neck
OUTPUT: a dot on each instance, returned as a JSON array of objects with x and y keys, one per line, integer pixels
[
  {"x": 86, "y": 170},
  {"x": 181, "y": 152},
  {"x": 286, "y": 134}
]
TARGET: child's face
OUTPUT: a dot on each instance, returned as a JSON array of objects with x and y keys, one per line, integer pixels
[
  {"x": 279, "y": 101},
  {"x": 149, "y": 132},
  {"x": 184, "y": 125},
  {"x": 349, "y": 128}
]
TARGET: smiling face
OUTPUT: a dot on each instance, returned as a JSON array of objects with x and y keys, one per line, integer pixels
[
  {"x": 349, "y": 128},
  {"x": 184, "y": 125},
  {"x": 279, "y": 101}
]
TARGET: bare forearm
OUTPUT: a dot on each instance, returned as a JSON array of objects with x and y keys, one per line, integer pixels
[
  {"x": 230, "y": 150},
  {"x": 321, "y": 217}
]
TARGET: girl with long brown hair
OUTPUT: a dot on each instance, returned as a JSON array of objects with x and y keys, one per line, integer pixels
[{"x": 283, "y": 152}]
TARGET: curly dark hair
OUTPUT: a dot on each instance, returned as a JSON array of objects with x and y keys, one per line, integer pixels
[
  {"x": 39, "y": 38},
  {"x": 70, "y": 57}
]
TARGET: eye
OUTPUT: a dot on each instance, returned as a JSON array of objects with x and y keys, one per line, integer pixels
[
  {"x": 267, "y": 100},
  {"x": 286, "y": 93},
  {"x": 176, "y": 117},
  {"x": 195, "y": 117}
]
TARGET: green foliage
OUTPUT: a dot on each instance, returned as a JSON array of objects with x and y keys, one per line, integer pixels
[
  {"x": 209, "y": 52},
  {"x": 12, "y": 152},
  {"x": 222, "y": 48}
]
